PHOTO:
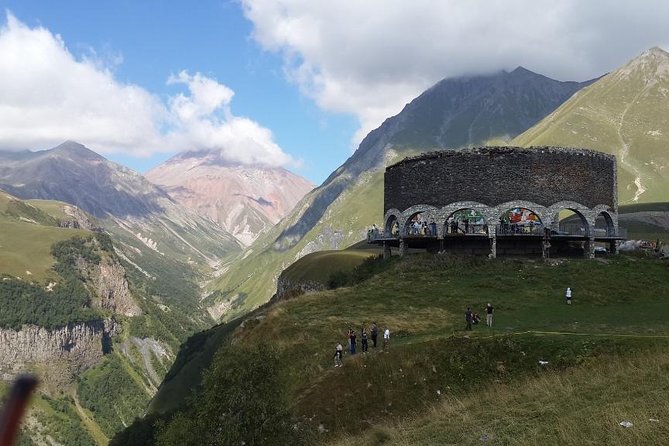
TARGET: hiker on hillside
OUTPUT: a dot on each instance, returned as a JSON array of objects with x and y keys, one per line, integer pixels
[
  {"x": 469, "y": 318},
  {"x": 339, "y": 350},
  {"x": 352, "y": 338},
  {"x": 567, "y": 295},
  {"x": 363, "y": 339},
  {"x": 489, "y": 310},
  {"x": 374, "y": 331},
  {"x": 386, "y": 339}
]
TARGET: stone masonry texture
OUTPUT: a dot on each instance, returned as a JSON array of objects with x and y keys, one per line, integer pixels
[{"x": 496, "y": 175}]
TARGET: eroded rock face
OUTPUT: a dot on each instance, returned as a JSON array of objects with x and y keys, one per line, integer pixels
[
  {"x": 111, "y": 285},
  {"x": 79, "y": 219},
  {"x": 79, "y": 345}
]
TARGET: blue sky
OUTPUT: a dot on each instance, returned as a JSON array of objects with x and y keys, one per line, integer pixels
[
  {"x": 156, "y": 39},
  {"x": 292, "y": 83}
]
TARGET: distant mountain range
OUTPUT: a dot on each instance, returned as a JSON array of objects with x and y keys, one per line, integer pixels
[
  {"x": 143, "y": 216},
  {"x": 625, "y": 113},
  {"x": 243, "y": 200},
  {"x": 452, "y": 113}
]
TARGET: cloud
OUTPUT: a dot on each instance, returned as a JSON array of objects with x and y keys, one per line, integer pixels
[
  {"x": 48, "y": 96},
  {"x": 369, "y": 58},
  {"x": 204, "y": 120}
]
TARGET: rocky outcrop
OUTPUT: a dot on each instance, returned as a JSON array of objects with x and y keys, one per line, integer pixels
[
  {"x": 79, "y": 219},
  {"x": 79, "y": 345},
  {"x": 286, "y": 288},
  {"x": 110, "y": 286}
]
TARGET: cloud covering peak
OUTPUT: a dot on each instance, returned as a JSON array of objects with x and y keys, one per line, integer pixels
[{"x": 370, "y": 58}]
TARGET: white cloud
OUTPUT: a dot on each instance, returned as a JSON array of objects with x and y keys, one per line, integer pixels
[
  {"x": 204, "y": 120},
  {"x": 48, "y": 96},
  {"x": 370, "y": 57}
]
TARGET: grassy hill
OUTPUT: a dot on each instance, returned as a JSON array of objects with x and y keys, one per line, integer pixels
[
  {"x": 27, "y": 232},
  {"x": 617, "y": 315}
]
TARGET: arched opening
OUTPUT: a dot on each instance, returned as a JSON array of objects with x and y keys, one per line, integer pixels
[
  {"x": 604, "y": 225},
  {"x": 572, "y": 223},
  {"x": 465, "y": 221},
  {"x": 521, "y": 221},
  {"x": 418, "y": 226},
  {"x": 392, "y": 227}
]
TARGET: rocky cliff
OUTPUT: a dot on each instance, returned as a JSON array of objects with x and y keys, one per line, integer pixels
[
  {"x": 80, "y": 346},
  {"x": 110, "y": 286}
]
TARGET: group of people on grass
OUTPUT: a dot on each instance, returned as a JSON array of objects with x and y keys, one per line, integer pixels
[
  {"x": 353, "y": 342},
  {"x": 472, "y": 318}
]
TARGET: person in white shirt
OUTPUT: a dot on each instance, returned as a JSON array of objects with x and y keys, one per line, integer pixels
[
  {"x": 386, "y": 339},
  {"x": 567, "y": 295}
]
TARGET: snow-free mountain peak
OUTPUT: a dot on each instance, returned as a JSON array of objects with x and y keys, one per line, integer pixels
[{"x": 244, "y": 200}]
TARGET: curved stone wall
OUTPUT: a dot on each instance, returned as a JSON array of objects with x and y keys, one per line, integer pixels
[
  {"x": 494, "y": 180},
  {"x": 492, "y": 176}
]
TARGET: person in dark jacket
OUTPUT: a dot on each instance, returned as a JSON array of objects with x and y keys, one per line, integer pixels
[
  {"x": 469, "y": 318},
  {"x": 363, "y": 339},
  {"x": 374, "y": 331}
]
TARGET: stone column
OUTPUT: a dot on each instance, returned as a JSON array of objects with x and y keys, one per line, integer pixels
[
  {"x": 493, "y": 245},
  {"x": 613, "y": 247},
  {"x": 386, "y": 250},
  {"x": 589, "y": 251},
  {"x": 403, "y": 247}
]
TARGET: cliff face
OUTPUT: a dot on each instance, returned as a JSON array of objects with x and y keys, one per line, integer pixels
[
  {"x": 79, "y": 345},
  {"x": 109, "y": 283}
]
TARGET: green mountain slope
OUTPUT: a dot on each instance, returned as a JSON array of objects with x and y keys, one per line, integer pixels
[
  {"x": 421, "y": 299},
  {"x": 624, "y": 113},
  {"x": 454, "y": 112},
  {"x": 99, "y": 336}
]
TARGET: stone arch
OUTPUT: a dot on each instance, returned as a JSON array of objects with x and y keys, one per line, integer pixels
[
  {"x": 605, "y": 224},
  {"x": 427, "y": 212},
  {"x": 586, "y": 215},
  {"x": 393, "y": 217},
  {"x": 477, "y": 212},
  {"x": 531, "y": 217}
]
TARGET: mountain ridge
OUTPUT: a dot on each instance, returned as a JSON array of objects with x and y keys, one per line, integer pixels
[{"x": 245, "y": 200}]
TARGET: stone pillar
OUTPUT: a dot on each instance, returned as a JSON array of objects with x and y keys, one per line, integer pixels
[
  {"x": 589, "y": 251},
  {"x": 545, "y": 248},
  {"x": 613, "y": 247},
  {"x": 403, "y": 247},
  {"x": 386, "y": 251},
  {"x": 493, "y": 245}
]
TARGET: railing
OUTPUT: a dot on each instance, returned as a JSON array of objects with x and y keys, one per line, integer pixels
[{"x": 535, "y": 229}]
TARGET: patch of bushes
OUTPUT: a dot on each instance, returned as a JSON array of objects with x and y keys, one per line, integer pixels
[{"x": 243, "y": 401}]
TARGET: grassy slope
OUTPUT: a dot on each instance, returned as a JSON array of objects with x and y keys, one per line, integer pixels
[
  {"x": 319, "y": 266},
  {"x": 26, "y": 246},
  {"x": 617, "y": 303},
  {"x": 574, "y": 407}
]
